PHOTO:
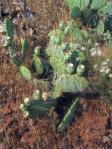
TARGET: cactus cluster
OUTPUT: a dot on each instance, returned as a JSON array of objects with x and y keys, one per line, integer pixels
[
  {"x": 67, "y": 60},
  {"x": 36, "y": 62}
]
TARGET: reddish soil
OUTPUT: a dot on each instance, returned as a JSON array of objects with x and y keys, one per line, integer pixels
[{"x": 89, "y": 130}]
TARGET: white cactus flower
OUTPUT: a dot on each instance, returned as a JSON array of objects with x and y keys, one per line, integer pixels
[
  {"x": 110, "y": 76},
  {"x": 36, "y": 94},
  {"x": 70, "y": 68},
  {"x": 83, "y": 48},
  {"x": 93, "y": 53},
  {"x": 26, "y": 100},
  {"x": 36, "y": 50},
  {"x": 102, "y": 70},
  {"x": 108, "y": 60},
  {"x": 96, "y": 44},
  {"x": 99, "y": 52},
  {"x": 25, "y": 114},
  {"x": 104, "y": 63},
  {"x": 95, "y": 66},
  {"x": 82, "y": 67},
  {"x": 96, "y": 51},
  {"x": 93, "y": 49},
  {"x": 7, "y": 37},
  {"x": 45, "y": 96},
  {"x": 21, "y": 106},
  {"x": 37, "y": 91},
  {"x": 107, "y": 70},
  {"x": 71, "y": 65}
]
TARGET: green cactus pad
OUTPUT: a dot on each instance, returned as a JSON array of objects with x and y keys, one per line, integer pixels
[
  {"x": 9, "y": 29},
  {"x": 25, "y": 72},
  {"x": 24, "y": 49},
  {"x": 76, "y": 12},
  {"x": 56, "y": 51},
  {"x": 38, "y": 108},
  {"x": 71, "y": 83},
  {"x": 38, "y": 65},
  {"x": 58, "y": 66},
  {"x": 69, "y": 116}
]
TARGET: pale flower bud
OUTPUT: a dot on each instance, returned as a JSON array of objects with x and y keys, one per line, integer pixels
[
  {"x": 26, "y": 100},
  {"x": 83, "y": 48},
  {"x": 25, "y": 114},
  {"x": 95, "y": 66},
  {"x": 107, "y": 71},
  {"x": 110, "y": 76},
  {"x": 104, "y": 63},
  {"x": 96, "y": 44},
  {"x": 45, "y": 96},
  {"x": 21, "y": 106}
]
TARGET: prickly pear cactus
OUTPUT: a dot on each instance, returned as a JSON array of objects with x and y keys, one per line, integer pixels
[
  {"x": 67, "y": 60},
  {"x": 39, "y": 105}
]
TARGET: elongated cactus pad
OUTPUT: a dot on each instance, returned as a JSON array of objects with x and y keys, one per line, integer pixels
[
  {"x": 9, "y": 29},
  {"x": 69, "y": 116},
  {"x": 24, "y": 49},
  {"x": 38, "y": 65}
]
